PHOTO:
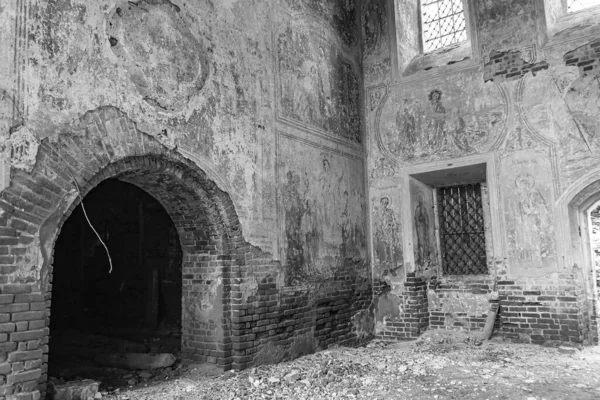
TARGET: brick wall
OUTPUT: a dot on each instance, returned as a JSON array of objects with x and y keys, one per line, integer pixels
[
  {"x": 413, "y": 319},
  {"x": 234, "y": 328},
  {"x": 103, "y": 144},
  {"x": 586, "y": 58},
  {"x": 272, "y": 323},
  {"x": 460, "y": 304},
  {"x": 507, "y": 66},
  {"x": 23, "y": 340},
  {"x": 537, "y": 314}
]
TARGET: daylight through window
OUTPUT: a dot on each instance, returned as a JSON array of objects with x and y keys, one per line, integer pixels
[
  {"x": 462, "y": 233},
  {"x": 576, "y": 5},
  {"x": 443, "y": 23}
]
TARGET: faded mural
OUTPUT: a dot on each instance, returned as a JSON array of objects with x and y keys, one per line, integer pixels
[
  {"x": 566, "y": 113},
  {"x": 340, "y": 14},
  {"x": 322, "y": 211},
  {"x": 165, "y": 61},
  {"x": 528, "y": 213},
  {"x": 195, "y": 82},
  {"x": 505, "y": 24},
  {"x": 383, "y": 169},
  {"x": 375, "y": 40},
  {"x": 317, "y": 87},
  {"x": 374, "y": 25},
  {"x": 419, "y": 124},
  {"x": 423, "y": 227},
  {"x": 539, "y": 136},
  {"x": 387, "y": 238}
]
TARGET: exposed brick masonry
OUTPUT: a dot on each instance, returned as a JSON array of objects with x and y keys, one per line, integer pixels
[
  {"x": 507, "y": 66},
  {"x": 414, "y": 315},
  {"x": 586, "y": 58},
  {"x": 295, "y": 320},
  {"x": 231, "y": 329},
  {"x": 539, "y": 315},
  {"x": 460, "y": 320}
]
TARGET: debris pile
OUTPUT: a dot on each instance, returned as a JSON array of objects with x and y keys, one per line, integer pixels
[{"x": 440, "y": 365}]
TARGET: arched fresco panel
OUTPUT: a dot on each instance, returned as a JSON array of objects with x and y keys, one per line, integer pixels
[
  {"x": 566, "y": 112},
  {"x": 441, "y": 120}
]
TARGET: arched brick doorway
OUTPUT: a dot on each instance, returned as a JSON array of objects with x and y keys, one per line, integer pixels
[
  {"x": 106, "y": 144},
  {"x": 131, "y": 302},
  {"x": 203, "y": 238}
]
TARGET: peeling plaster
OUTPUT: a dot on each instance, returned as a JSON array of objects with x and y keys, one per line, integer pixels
[
  {"x": 388, "y": 306},
  {"x": 473, "y": 305}
]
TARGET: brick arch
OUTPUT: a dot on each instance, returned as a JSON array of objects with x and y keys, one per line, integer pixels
[{"x": 106, "y": 144}]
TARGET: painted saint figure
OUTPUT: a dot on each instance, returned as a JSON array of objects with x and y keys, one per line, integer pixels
[
  {"x": 387, "y": 241},
  {"x": 532, "y": 209},
  {"x": 457, "y": 133},
  {"x": 305, "y": 92},
  {"x": 422, "y": 228},
  {"x": 295, "y": 208},
  {"x": 407, "y": 134},
  {"x": 374, "y": 24},
  {"x": 437, "y": 133}
]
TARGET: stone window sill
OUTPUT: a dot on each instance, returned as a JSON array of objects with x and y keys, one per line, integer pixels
[{"x": 443, "y": 60}]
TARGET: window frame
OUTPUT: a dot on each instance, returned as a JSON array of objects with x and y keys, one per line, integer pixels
[
  {"x": 409, "y": 61},
  {"x": 493, "y": 216},
  {"x": 449, "y": 46},
  {"x": 440, "y": 222}
]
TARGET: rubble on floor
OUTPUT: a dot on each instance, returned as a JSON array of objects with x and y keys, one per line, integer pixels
[
  {"x": 440, "y": 365},
  {"x": 80, "y": 361},
  {"x": 136, "y": 360},
  {"x": 75, "y": 390}
]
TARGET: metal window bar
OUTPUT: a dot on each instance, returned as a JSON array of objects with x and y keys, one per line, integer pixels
[
  {"x": 462, "y": 232},
  {"x": 443, "y": 23},
  {"x": 576, "y": 5}
]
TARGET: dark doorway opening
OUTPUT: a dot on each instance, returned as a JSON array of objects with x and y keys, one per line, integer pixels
[{"x": 136, "y": 308}]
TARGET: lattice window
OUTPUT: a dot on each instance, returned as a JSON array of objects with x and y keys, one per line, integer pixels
[
  {"x": 576, "y": 5},
  {"x": 443, "y": 23},
  {"x": 462, "y": 234}
]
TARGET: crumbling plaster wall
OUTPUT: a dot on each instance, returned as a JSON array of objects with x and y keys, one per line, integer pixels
[
  {"x": 202, "y": 77},
  {"x": 263, "y": 96},
  {"x": 526, "y": 100}
]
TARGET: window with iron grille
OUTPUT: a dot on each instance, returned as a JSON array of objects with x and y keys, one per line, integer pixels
[
  {"x": 443, "y": 23},
  {"x": 576, "y": 5},
  {"x": 462, "y": 233}
]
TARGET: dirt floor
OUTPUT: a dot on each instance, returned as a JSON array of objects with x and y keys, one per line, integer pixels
[{"x": 440, "y": 365}]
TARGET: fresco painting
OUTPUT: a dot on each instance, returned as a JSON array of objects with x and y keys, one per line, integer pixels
[
  {"x": 528, "y": 213},
  {"x": 340, "y": 14},
  {"x": 387, "y": 238},
  {"x": 418, "y": 125},
  {"x": 322, "y": 212},
  {"x": 423, "y": 227},
  {"x": 565, "y": 113},
  {"x": 374, "y": 24},
  {"x": 317, "y": 87},
  {"x": 582, "y": 102}
]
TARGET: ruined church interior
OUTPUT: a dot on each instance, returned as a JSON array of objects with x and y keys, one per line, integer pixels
[{"x": 229, "y": 185}]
